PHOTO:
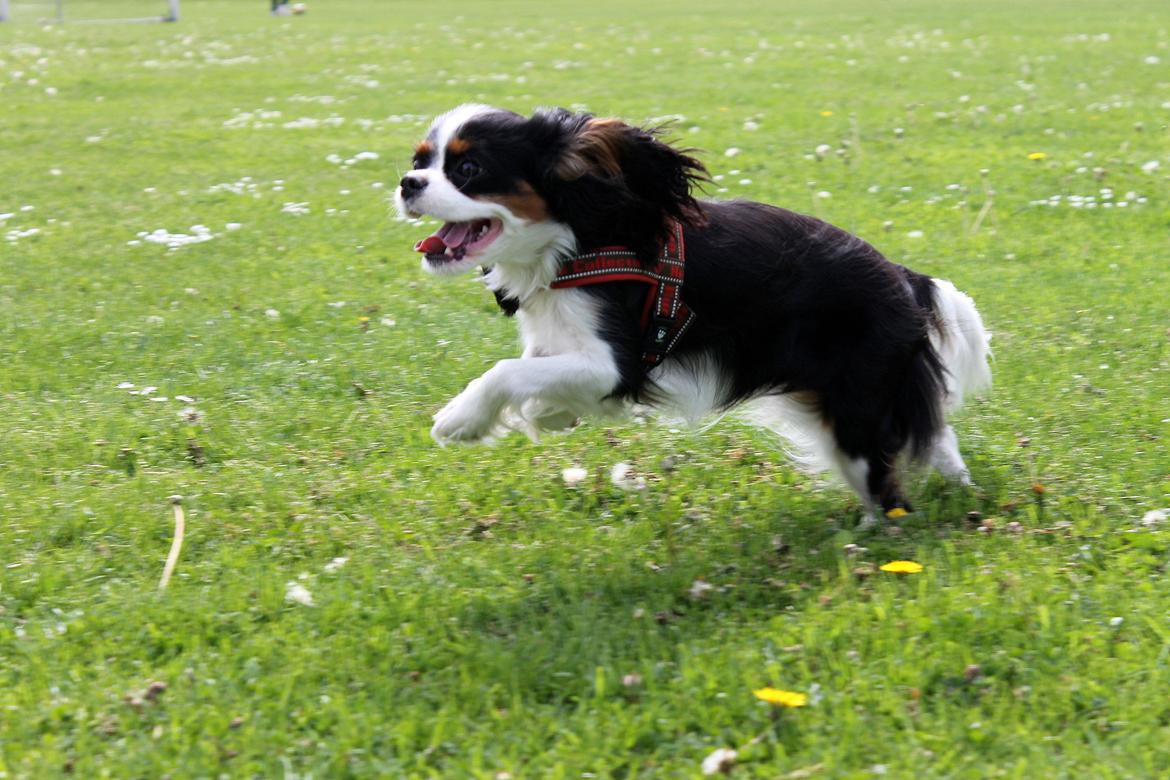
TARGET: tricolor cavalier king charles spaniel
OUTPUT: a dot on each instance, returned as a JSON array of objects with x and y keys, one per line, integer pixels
[{"x": 806, "y": 328}]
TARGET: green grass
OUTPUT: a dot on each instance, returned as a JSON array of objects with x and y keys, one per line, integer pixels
[{"x": 487, "y": 614}]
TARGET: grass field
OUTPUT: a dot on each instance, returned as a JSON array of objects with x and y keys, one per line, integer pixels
[{"x": 353, "y": 601}]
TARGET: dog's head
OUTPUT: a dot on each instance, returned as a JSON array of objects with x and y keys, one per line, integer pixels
[{"x": 508, "y": 187}]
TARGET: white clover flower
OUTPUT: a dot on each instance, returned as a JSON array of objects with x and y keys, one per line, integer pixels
[
  {"x": 721, "y": 760},
  {"x": 574, "y": 476},
  {"x": 1155, "y": 517},
  {"x": 298, "y": 594},
  {"x": 699, "y": 589},
  {"x": 732, "y": 151},
  {"x": 622, "y": 475}
]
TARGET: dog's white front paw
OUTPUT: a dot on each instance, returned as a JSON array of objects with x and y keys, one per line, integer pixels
[{"x": 466, "y": 418}]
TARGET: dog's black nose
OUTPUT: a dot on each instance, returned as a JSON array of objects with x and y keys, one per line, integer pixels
[{"x": 412, "y": 185}]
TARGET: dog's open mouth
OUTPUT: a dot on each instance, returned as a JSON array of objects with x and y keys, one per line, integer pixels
[{"x": 456, "y": 240}]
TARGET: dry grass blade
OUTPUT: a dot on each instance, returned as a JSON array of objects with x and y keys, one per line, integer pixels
[{"x": 176, "y": 542}]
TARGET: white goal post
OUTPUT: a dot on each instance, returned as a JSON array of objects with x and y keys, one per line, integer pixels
[{"x": 172, "y": 14}]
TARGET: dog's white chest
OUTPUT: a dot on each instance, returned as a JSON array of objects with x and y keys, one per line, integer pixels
[{"x": 558, "y": 322}]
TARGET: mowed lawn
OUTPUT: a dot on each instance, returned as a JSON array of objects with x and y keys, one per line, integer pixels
[{"x": 203, "y": 293}]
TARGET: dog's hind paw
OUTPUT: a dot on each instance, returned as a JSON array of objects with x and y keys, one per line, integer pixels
[{"x": 868, "y": 522}]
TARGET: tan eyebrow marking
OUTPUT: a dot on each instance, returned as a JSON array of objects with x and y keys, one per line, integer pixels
[
  {"x": 458, "y": 145},
  {"x": 424, "y": 147},
  {"x": 525, "y": 203}
]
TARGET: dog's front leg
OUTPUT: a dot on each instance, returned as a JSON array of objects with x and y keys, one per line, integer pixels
[{"x": 577, "y": 382}]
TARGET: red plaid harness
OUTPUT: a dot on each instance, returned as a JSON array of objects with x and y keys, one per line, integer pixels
[{"x": 665, "y": 316}]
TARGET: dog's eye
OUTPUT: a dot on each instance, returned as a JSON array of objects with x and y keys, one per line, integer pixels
[{"x": 469, "y": 168}]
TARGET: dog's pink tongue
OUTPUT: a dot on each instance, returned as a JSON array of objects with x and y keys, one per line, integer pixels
[
  {"x": 454, "y": 233},
  {"x": 431, "y": 245}
]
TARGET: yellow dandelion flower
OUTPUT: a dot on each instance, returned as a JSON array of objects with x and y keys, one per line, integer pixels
[
  {"x": 1038, "y": 156},
  {"x": 897, "y": 513},
  {"x": 826, "y": 112},
  {"x": 902, "y": 567},
  {"x": 781, "y": 698}
]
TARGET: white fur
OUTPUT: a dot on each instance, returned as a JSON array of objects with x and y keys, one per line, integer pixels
[
  {"x": 963, "y": 344},
  {"x": 525, "y": 257},
  {"x": 797, "y": 421},
  {"x": 945, "y": 457},
  {"x": 692, "y": 389},
  {"x": 811, "y": 444},
  {"x": 856, "y": 471},
  {"x": 566, "y": 371},
  {"x": 526, "y": 251}
]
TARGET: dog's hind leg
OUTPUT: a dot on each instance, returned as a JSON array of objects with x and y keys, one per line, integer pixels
[
  {"x": 944, "y": 456},
  {"x": 855, "y": 472},
  {"x": 868, "y": 461}
]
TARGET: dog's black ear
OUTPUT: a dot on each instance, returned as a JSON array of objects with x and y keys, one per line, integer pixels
[{"x": 613, "y": 182}]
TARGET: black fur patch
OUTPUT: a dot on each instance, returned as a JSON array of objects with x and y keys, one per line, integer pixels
[
  {"x": 628, "y": 209},
  {"x": 787, "y": 303}
]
